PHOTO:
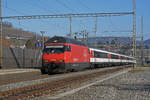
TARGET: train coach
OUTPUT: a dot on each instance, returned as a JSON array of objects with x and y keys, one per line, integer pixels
[
  {"x": 101, "y": 58},
  {"x": 62, "y": 54}
]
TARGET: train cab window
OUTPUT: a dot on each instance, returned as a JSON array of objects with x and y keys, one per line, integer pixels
[
  {"x": 54, "y": 49},
  {"x": 67, "y": 48}
]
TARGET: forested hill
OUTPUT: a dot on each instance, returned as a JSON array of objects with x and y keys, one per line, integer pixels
[{"x": 12, "y": 34}]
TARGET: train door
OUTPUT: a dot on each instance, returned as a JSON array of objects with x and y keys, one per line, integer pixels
[
  {"x": 85, "y": 55},
  {"x": 92, "y": 60},
  {"x": 119, "y": 60},
  {"x": 109, "y": 59}
]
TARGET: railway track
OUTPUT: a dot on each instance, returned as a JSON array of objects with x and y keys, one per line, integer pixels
[{"x": 51, "y": 87}]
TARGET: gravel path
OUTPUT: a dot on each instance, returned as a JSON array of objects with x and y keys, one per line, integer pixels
[{"x": 129, "y": 86}]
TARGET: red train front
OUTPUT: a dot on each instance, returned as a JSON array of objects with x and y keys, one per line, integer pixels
[{"x": 61, "y": 54}]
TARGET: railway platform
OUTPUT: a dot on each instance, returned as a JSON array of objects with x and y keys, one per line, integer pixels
[{"x": 15, "y": 71}]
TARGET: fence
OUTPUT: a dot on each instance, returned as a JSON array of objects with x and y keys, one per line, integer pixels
[{"x": 21, "y": 58}]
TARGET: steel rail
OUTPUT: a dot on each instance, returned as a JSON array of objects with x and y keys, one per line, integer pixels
[{"x": 51, "y": 87}]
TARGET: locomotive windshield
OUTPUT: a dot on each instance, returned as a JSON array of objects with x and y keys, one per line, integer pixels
[{"x": 56, "y": 48}]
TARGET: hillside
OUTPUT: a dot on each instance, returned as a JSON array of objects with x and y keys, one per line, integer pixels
[
  {"x": 11, "y": 35},
  {"x": 124, "y": 40},
  {"x": 147, "y": 42},
  {"x": 9, "y": 30}
]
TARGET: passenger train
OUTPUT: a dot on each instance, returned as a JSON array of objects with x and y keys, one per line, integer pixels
[{"x": 62, "y": 54}]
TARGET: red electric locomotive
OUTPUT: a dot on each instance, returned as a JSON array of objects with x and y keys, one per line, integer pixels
[{"x": 61, "y": 54}]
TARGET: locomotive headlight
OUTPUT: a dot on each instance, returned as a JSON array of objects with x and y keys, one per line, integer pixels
[{"x": 61, "y": 60}]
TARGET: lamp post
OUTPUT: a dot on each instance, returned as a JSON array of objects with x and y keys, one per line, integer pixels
[
  {"x": 1, "y": 37},
  {"x": 42, "y": 32},
  {"x": 134, "y": 30}
]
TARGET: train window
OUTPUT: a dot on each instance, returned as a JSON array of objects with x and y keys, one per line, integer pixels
[
  {"x": 121, "y": 57},
  {"x": 130, "y": 58},
  {"x": 54, "y": 49},
  {"x": 103, "y": 55},
  {"x": 100, "y": 54},
  {"x": 67, "y": 48},
  {"x": 95, "y": 54},
  {"x": 114, "y": 56}
]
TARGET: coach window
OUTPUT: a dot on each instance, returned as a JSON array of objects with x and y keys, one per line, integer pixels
[
  {"x": 103, "y": 55},
  {"x": 130, "y": 58},
  {"x": 96, "y": 54},
  {"x": 121, "y": 57},
  {"x": 114, "y": 56}
]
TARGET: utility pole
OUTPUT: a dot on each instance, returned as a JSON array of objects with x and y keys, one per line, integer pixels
[
  {"x": 134, "y": 30},
  {"x": 70, "y": 27},
  {"x": 42, "y": 32},
  {"x": 141, "y": 18},
  {"x": 95, "y": 30},
  {"x": 1, "y": 36}
]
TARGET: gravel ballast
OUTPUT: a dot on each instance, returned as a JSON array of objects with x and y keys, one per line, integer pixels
[
  {"x": 38, "y": 78},
  {"x": 129, "y": 86}
]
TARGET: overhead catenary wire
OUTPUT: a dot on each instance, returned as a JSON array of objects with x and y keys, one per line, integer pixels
[
  {"x": 65, "y": 5},
  {"x": 69, "y": 15},
  {"x": 6, "y": 3},
  {"x": 12, "y": 9},
  {"x": 36, "y": 5},
  {"x": 83, "y": 4},
  {"x": 112, "y": 24},
  {"x": 15, "y": 10},
  {"x": 49, "y": 7},
  {"x": 76, "y": 8},
  {"x": 19, "y": 12}
]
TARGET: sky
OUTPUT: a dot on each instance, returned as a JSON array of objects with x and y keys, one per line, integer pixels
[{"x": 60, "y": 26}]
